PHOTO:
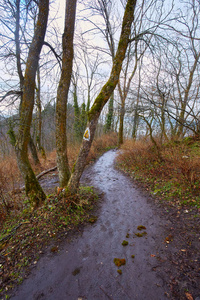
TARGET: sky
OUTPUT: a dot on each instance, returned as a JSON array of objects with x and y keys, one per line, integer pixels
[
  {"x": 81, "y": 26},
  {"x": 58, "y": 9}
]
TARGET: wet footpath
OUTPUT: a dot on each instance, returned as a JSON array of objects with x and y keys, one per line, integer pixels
[{"x": 84, "y": 268}]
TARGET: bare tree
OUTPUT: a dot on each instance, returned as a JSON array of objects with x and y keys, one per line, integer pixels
[
  {"x": 32, "y": 187},
  {"x": 103, "y": 96},
  {"x": 62, "y": 93}
]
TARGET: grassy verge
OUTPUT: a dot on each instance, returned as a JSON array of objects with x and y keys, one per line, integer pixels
[{"x": 173, "y": 174}]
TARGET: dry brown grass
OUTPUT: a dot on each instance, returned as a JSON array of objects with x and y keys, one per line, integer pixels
[
  {"x": 11, "y": 180},
  {"x": 50, "y": 160},
  {"x": 174, "y": 172},
  {"x": 101, "y": 144},
  {"x": 9, "y": 171}
]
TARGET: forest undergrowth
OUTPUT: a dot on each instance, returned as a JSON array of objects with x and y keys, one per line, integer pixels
[
  {"x": 171, "y": 174},
  {"x": 171, "y": 170},
  {"x": 24, "y": 232}
]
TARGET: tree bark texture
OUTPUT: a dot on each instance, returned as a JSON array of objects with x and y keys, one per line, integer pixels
[
  {"x": 109, "y": 117},
  {"x": 62, "y": 93},
  {"x": 104, "y": 95},
  {"x": 121, "y": 124},
  {"x": 34, "y": 151},
  {"x": 135, "y": 122},
  {"x": 32, "y": 187},
  {"x": 38, "y": 112}
]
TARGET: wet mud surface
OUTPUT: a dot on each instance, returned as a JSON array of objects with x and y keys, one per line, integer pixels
[{"x": 84, "y": 267}]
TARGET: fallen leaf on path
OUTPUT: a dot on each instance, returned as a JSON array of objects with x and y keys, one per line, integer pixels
[
  {"x": 189, "y": 296},
  {"x": 169, "y": 238},
  {"x": 153, "y": 255}
]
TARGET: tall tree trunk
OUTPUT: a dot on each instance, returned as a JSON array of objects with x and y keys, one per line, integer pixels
[
  {"x": 17, "y": 45},
  {"x": 33, "y": 151},
  {"x": 109, "y": 117},
  {"x": 121, "y": 124},
  {"x": 32, "y": 187},
  {"x": 135, "y": 123},
  {"x": 62, "y": 93},
  {"x": 21, "y": 77},
  {"x": 136, "y": 114},
  {"x": 39, "y": 117},
  {"x": 88, "y": 100},
  {"x": 103, "y": 96}
]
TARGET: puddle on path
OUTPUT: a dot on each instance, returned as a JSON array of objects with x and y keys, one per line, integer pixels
[{"x": 84, "y": 269}]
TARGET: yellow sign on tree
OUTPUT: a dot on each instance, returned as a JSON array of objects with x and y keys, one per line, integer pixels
[{"x": 86, "y": 135}]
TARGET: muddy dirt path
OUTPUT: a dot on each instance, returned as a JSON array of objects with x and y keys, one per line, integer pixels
[{"x": 84, "y": 268}]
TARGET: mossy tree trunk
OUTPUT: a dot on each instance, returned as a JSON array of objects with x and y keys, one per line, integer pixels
[
  {"x": 32, "y": 187},
  {"x": 103, "y": 96},
  {"x": 34, "y": 151},
  {"x": 39, "y": 116},
  {"x": 62, "y": 93},
  {"x": 20, "y": 74},
  {"x": 121, "y": 124}
]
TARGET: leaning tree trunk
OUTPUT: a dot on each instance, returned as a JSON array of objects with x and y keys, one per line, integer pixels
[
  {"x": 62, "y": 94},
  {"x": 32, "y": 187},
  {"x": 103, "y": 97}
]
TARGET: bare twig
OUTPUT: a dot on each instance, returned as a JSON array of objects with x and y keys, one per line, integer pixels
[
  {"x": 45, "y": 172},
  {"x": 13, "y": 231}
]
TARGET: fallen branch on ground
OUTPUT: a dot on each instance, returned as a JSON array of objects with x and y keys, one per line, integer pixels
[
  {"x": 45, "y": 172},
  {"x": 39, "y": 176},
  {"x": 13, "y": 231}
]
